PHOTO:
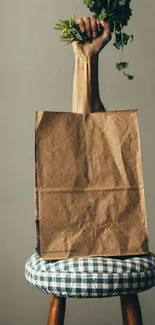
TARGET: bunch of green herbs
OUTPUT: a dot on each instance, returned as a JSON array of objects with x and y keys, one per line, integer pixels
[{"x": 116, "y": 12}]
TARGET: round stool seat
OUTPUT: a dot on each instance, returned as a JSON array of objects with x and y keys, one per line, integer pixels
[{"x": 91, "y": 277}]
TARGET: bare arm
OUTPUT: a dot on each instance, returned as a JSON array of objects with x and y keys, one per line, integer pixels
[{"x": 86, "y": 97}]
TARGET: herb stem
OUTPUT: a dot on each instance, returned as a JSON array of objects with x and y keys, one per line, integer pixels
[{"x": 114, "y": 31}]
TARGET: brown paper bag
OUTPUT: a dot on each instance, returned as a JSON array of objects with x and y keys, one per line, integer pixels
[{"x": 89, "y": 185}]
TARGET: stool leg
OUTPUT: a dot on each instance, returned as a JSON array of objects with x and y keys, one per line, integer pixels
[
  {"x": 57, "y": 311},
  {"x": 131, "y": 312}
]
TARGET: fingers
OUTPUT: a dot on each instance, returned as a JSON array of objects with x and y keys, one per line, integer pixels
[
  {"x": 89, "y": 25},
  {"x": 98, "y": 32},
  {"x": 85, "y": 25},
  {"x": 106, "y": 36},
  {"x": 94, "y": 26},
  {"x": 87, "y": 21},
  {"x": 81, "y": 24}
]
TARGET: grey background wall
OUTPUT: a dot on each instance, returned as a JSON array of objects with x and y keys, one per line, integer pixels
[{"x": 36, "y": 73}]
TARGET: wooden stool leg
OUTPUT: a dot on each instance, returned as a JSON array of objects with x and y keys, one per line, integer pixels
[
  {"x": 131, "y": 311},
  {"x": 57, "y": 311}
]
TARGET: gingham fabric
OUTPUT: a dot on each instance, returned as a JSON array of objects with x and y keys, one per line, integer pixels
[{"x": 91, "y": 277}]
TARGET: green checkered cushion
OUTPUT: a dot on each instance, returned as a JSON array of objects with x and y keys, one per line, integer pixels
[{"x": 91, "y": 277}]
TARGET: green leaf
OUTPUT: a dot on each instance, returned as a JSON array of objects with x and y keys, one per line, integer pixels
[
  {"x": 130, "y": 77},
  {"x": 119, "y": 66},
  {"x": 73, "y": 17},
  {"x": 77, "y": 35},
  {"x": 113, "y": 5},
  {"x": 108, "y": 4},
  {"x": 89, "y": 3},
  {"x": 103, "y": 14},
  {"x": 130, "y": 39},
  {"x": 119, "y": 42},
  {"x": 124, "y": 65},
  {"x": 117, "y": 45},
  {"x": 122, "y": 2},
  {"x": 70, "y": 40},
  {"x": 72, "y": 21},
  {"x": 127, "y": 38}
]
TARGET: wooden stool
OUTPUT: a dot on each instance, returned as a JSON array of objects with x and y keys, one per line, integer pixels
[
  {"x": 131, "y": 312},
  {"x": 93, "y": 277}
]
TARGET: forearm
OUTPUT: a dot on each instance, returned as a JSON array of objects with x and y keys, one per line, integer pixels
[{"x": 86, "y": 98}]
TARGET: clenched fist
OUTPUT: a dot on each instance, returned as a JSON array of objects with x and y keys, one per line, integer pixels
[{"x": 97, "y": 39}]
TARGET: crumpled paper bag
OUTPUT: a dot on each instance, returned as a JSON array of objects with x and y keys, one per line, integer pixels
[{"x": 89, "y": 185}]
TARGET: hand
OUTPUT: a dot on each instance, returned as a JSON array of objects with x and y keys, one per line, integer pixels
[{"x": 98, "y": 41}]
